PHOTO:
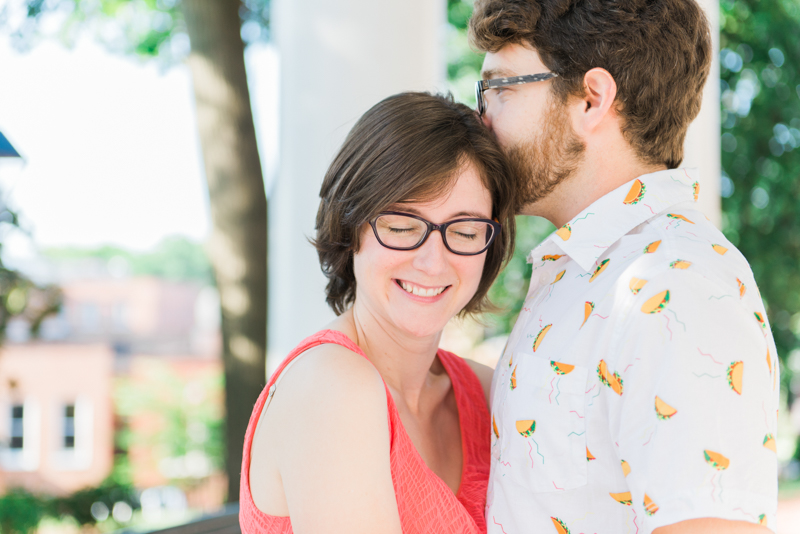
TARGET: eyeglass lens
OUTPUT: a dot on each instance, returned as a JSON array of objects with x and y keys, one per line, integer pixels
[{"x": 402, "y": 232}]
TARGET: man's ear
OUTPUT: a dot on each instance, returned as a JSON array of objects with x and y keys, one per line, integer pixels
[{"x": 600, "y": 90}]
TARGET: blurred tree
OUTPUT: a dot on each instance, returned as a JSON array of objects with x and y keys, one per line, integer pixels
[
  {"x": 209, "y": 35},
  {"x": 174, "y": 258},
  {"x": 19, "y": 296},
  {"x": 20, "y": 512}
]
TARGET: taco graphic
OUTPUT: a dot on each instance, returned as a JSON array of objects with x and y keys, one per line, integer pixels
[
  {"x": 716, "y": 460},
  {"x": 600, "y": 268},
  {"x": 652, "y": 247},
  {"x": 510, "y": 361},
  {"x": 762, "y": 519},
  {"x": 742, "y": 288},
  {"x": 769, "y": 361},
  {"x": 540, "y": 337},
  {"x": 526, "y": 428},
  {"x": 735, "y": 372},
  {"x": 649, "y": 506},
  {"x": 635, "y": 193},
  {"x": 663, "y": 410},
  {"x": 589, "y": 455},
  {"x": 588, "y": 308},
  {"x": 769, "y": 442},
  {"x": 636, "y": 285},
  {"x": 623, "y": 498},
  {"x": 719, "y": 249},
  {"x": 564, "y": 232},
  {"x": 552, "y": 257},
  {"x": 761, "y": 321},
  {"x": 679, "y": 217},
  {"x": 696, "y": 190},
  {"x": 561, "y": 528},
  {"x": 559, "y": 276},
  {"x": 680, "y": 264},
  {"x": 657, "y": 303},
  {"x": 514, "y": 379},
  {"x": 494, "y": 427},
  {"x": 626, "y": 468},
  {"x": 614, "y": 381},
  {"x": 561, "y": 368}
]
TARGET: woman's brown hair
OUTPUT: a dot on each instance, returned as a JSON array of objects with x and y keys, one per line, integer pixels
[{"x": 409, "y": 147}]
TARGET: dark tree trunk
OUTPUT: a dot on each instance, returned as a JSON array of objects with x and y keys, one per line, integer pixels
[{"x": 238, "y": 243}]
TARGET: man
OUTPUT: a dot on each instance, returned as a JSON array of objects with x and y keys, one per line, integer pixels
[{"x": 638, "y": 390}]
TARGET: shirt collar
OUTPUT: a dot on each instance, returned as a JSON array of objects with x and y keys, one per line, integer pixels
[{"x": 587, "y": 236}]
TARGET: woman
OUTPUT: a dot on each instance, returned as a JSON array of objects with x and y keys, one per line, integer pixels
[{"x": 374, "y": 430}]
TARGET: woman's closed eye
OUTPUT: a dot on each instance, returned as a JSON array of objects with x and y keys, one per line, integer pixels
[
  {"x": 401, "y": 230},
  {"x": 464, "y": 236}
]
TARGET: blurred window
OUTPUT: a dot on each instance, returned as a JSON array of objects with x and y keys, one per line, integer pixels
[
  {"x": 17, "y": 434},
  {"x": 69, "y": 426}
]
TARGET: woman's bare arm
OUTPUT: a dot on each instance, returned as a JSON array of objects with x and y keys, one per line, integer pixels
[{"x": 330, "y": 411}]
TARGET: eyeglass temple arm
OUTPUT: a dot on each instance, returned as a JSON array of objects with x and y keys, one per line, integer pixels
[{"x": 515, "y": 80}]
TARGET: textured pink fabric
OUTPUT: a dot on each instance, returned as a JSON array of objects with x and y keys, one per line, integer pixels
[{"x": 425, "y": 503}]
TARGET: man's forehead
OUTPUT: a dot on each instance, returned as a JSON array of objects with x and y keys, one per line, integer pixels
[{"x": 511, "y": 60}]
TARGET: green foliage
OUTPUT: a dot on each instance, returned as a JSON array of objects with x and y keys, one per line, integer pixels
[
  {"x": 79, "y": 504},
  {"x": 174, "y": 258},
  {"x": 19, "y": 296},
  {"x": 187, "y": 413},
  {"x": 463, "y": 64},
  {"x": 20, "y": 512},
  {"x": 760, "y": 82},
  {"x": 147, "y": 28}
]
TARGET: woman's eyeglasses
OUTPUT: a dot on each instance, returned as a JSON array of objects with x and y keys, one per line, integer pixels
[{"x": 465, "y": 237}]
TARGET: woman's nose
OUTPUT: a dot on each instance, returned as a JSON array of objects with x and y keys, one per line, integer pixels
[{"x": 431, "y": 256}]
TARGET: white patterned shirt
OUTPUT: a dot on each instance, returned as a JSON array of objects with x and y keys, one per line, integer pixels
[{"x": 639, "y": 386}]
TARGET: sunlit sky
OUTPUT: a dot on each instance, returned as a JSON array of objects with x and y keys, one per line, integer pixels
[{"x": 110, "y": 147}]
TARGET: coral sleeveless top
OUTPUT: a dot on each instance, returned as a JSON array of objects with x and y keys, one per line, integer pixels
[{"x": 425, "y": 503}]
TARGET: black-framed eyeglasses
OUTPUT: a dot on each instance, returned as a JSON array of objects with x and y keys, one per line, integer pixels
[
  {"x": 485, "y": 85},
  {"x": 403, "y": 231}
]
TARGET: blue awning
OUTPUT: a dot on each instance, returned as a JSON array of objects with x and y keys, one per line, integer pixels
[{"x": 6, "y": 150}]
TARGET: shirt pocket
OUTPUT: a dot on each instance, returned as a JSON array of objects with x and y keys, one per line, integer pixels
[{"x": 544, "y": 435}]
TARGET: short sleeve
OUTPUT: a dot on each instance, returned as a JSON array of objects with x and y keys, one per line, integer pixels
[{"x": 696, "y": 421}]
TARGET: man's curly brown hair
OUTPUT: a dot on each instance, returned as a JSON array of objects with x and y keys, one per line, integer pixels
[{"x": 658, "y": 51}]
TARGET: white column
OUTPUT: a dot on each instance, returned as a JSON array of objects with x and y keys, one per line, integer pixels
[
  {"x": 337, "y": 59},
  {"x": 702, "y": 146}
]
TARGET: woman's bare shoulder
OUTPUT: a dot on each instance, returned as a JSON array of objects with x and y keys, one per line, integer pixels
[{"x": 332, "y": 374}]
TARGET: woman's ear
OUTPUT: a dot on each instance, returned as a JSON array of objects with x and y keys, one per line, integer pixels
[{"x": 600, "y": 92}]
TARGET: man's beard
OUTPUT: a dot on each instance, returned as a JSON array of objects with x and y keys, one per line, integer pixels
[{"x": 543, "y": 161}]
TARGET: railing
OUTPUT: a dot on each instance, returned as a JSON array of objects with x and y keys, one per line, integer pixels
[{"x": 225, "y": 522}]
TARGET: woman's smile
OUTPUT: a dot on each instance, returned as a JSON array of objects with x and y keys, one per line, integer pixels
[{"x": 424, "y": 293}]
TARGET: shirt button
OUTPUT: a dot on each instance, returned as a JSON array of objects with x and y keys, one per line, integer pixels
[{"x": 544, "y": 278}]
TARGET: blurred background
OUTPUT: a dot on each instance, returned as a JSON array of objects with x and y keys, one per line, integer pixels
[{"x": 159, "y": 168}]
